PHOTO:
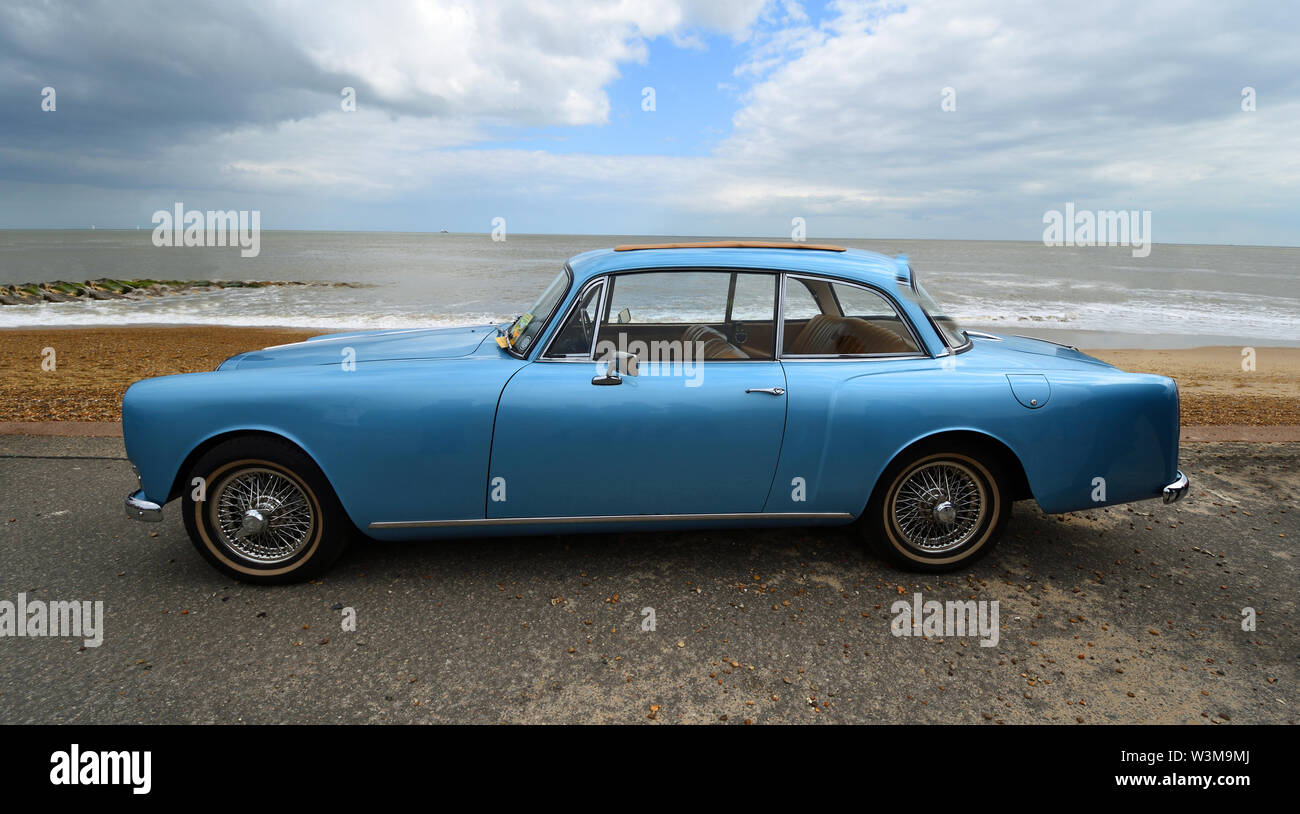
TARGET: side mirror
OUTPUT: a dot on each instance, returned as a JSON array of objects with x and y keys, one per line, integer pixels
[{"x": 619, "y": 364}]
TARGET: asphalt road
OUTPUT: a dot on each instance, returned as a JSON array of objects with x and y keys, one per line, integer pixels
[{"x": 1129, "y": 614}]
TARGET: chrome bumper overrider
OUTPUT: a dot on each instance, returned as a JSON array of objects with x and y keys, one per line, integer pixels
[
  {"x": 1175, "y": 491},
  {"x": 137, "y": 508}
]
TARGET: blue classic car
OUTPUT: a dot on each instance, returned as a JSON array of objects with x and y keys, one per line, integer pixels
[{"x": 675, "y": 386}]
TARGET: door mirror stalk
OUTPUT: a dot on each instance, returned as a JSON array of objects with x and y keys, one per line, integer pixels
[{"x": 620, "y": 364}]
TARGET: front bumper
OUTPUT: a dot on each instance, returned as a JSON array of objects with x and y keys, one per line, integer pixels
[
  {"x": 1174, "y": 492},
  {"x": 138, "y": 508}
]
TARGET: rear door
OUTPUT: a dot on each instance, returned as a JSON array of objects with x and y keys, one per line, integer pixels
[{"x": 849, "y": 357}]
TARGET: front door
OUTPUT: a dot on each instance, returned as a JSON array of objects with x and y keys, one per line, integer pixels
[{"x": 696, "y": 430}]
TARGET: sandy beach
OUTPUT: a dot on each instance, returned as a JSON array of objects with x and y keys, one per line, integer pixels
[
  {"x": 94, "y": 366},
  {"x": 1215, "y": 390}
]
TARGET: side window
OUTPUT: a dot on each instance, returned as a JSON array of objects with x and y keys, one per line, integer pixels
[
  {"x": 669, "y": 298},
  {"x": 799, "y": 301},
  {"x": 845, "y": 320},
  {"x": 664, "y": 316},
  {"x": 862, "y": 303},
  {"x": 754, "y": 297},
  {"x": 576, "y": 334}
]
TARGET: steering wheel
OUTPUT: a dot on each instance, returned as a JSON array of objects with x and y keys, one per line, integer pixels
[{"x": 585, "y": 321}]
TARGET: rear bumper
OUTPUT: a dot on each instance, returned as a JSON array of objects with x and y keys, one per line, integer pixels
[
  {"x": 139, "y": 508},
  {"x": 1174, "y": 492}
]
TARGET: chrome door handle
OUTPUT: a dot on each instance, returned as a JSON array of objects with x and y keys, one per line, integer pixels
[{"x": 771, "y": 391}]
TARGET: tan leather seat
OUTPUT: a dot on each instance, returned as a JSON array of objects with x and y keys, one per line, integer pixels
[
  {"x": 701, "y": 333},
  {"x": 716, "y": 345},
  {"x": 722, "y": 349},
  {"x": 827, "y": 335}
]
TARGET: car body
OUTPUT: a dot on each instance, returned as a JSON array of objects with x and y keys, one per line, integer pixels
[{"x": 829, "y": 372}]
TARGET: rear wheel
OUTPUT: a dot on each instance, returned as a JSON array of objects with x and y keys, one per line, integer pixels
[
  {"x": 266, "y": 513},
  {"x": 938, "y": 508}
]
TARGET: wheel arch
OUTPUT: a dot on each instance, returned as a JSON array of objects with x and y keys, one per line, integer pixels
[
  {"x": 1007, "y": 461},
  {"x": 213, "y": 441}
]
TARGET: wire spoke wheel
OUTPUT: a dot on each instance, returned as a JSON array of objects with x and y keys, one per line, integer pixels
[
  {"x": 261, "y": 514},
  {"x": 939, "y": 506}
]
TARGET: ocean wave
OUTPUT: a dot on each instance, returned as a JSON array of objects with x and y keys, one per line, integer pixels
[
  {"x": 443, "y": 281},
  {"x": 91, "y": 314},
  {"x": 1137, "y": 316}
]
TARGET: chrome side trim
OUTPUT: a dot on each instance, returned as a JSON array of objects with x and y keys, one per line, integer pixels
[
  {"x": 138, "y": 508},
  {"x": 573, "y": 307},
  {"x": 1175, "y": 491},
  {"x": 609, "y": 518},
  {"x": 865, "y": 357},
  {"x": 548, "y": 326},
  {"x": 778, "y": 329},
  {"x": 983, "y": 335}
]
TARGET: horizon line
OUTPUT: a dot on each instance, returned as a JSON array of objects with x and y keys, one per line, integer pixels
[{"x": 635, "y": 234}]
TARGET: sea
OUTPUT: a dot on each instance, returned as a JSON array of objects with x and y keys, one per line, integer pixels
[{"x": 1094, "y": 297}]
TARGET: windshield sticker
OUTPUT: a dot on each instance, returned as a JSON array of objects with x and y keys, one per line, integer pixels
[{"x": 509, "y": 340}]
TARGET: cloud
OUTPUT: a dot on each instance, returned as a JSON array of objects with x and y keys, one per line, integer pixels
[
  {"x": 1109, "y": 105},
  {"x": 249, "y": 93},
  {"x": 1131, "y": 105},
  {"x": 511, "y": 61}
]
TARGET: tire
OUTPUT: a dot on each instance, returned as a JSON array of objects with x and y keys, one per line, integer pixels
[
  {"x": 938, "y": 507},
  {"x": 299, "y": 528}
]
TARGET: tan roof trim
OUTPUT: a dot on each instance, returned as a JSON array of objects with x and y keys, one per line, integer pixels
[{"x": 730, "y": 244}]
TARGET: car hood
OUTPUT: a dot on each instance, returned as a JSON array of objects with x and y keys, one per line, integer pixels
[{"x": 367, "y": 346}]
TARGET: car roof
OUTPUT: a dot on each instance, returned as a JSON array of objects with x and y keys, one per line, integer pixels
[{"x": 853, "y": 264}]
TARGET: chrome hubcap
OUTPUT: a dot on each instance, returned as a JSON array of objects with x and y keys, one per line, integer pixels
[
  {"x": 262, "y": 515},
  {"x": 253, "y": 524},
  {"x": 945, "y": 513},
  {"x": 939, "y": 506}
]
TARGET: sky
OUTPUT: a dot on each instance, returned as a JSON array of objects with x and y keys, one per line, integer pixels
[{"x": 960, "y": 119}]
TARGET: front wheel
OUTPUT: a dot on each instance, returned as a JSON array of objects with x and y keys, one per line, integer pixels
[
  {"x": 938, "y": 509},
  {"x": 263, "y": 512}
]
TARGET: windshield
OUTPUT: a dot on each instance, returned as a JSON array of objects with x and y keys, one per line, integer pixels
[
  {"x": 952, "y": 333},
  {"x": 526, "y": 327}
]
